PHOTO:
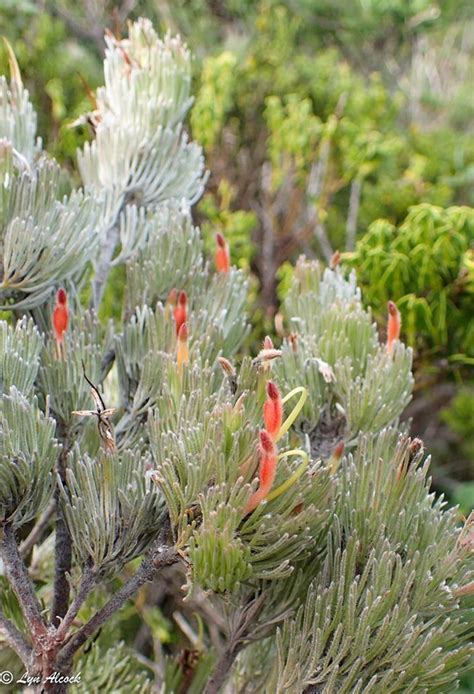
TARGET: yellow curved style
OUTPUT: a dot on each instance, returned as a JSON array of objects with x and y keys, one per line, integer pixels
[
  {"x": 294, "y": 477},
  {"x": 295, "y": 411}
]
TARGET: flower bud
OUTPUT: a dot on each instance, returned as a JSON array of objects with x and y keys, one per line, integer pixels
[
  {"x": 394, "y": 325},
  {"x": 336, "y": 456},
  {"x": 60, "y": 316},
  {"x": 272, "y": 410},
  {"x": 181, "y": 311},
  {"x": 267, "y": 342},
  {"x": 226, "y": 366},
  {"x": 335, "y": 260},
  {"x": 172, "y": 297},
  {"x": 266, "y": 471},
  {"x": 222, "y": 255},
  {"x": 182, "y": 353}
]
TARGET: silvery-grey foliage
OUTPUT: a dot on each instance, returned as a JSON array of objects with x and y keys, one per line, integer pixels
[
  {"x": 27, "y": 453},
  {"x": 18, "y": 120},
  {"x": 20, "y": 348},
  {"x": 140, "y": 156},
  {"x": 355, "y": 385},
  {"x": 348, "y": 575},
  {"x": 45, "y": 237},
  {"x": 124, "y": 512}
]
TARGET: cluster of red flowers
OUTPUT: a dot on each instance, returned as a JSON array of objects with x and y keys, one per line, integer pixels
[
  {"x": 179, "y": 302},
  {"x": 273, "y": 406}
]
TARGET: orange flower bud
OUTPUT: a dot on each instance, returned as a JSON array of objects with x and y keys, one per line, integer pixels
[
  {"x": 266, "y": 472},
  {"x": 272, "y": 410},
  {"x": 182, "y": 353},
  {"x": 394, "y": 325},
  {"x": 222, "y": 255},
  {"x": 60, "y": 316},
  {"x": 181, "y": 311}
]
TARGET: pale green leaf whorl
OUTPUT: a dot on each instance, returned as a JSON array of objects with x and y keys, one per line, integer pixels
[{"x": 28, "y": 452}]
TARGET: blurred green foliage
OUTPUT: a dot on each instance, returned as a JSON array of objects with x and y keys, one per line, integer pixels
[
  {"x": 425, "y": 266},
  {"x": 54, "y": 65},
  {"x": 318, "y": 141}
]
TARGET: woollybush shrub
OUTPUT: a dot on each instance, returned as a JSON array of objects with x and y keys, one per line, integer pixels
[{"x": 272, "y": 503}]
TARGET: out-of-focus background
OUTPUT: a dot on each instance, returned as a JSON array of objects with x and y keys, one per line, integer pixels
[{"x": 327, "y": 125}]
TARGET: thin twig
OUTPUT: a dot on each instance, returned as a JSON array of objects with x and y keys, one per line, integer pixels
[
  {"x": 89, "y": 32},
  {"x": 246, "y": 621},
  {"x": 314, "y": 188},
  {"x": 221, "y": 670},
  {"x": 353, "y": 213},
  {"x": 323, "y": 239},
  {"x": 18, "y": 575},
  {"x": 37, "y": 531},
  {"x": 103, "y": 266},
  {"x": 87, "y": 584},
  {"x": 15, "y": 639},
  {"x": 164, "y": 555},
  {"x": 62, "y": 551}
]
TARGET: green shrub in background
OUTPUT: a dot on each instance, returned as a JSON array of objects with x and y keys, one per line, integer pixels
[
  {"x": 425, "y": 265},
  {"x": 317, "y": 146}
]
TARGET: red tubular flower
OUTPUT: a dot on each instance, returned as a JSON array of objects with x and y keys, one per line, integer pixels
[
  {"x": 60, "y": 316},
  {"x": 181, "y": 311},
  {"x": 272, "y": 410},
  {"x": 222, "y": 256},
  {"x": 182, "y": 352},
  {"x": 266, "y": 471},
  {"x": 394, "y": 325}
]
